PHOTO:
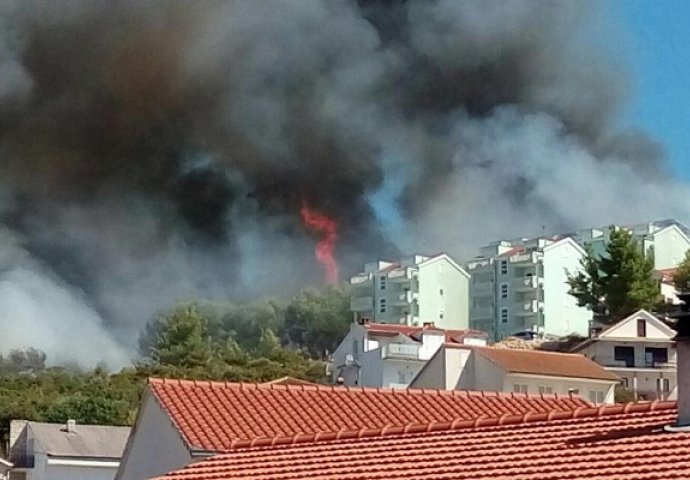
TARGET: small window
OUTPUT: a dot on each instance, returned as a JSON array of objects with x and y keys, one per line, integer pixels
[
  {"x": 625, "y": 382},
  {"x": 545, "y": 389},
  {"x": 504, "y": 267},
  {"x": 504, "y": 290},
  {"x": 504, "y": 315},
  {"x": 641, "y": 327},
  {"x": 440, "y": 291},
  {"x": 519, "y": 388},
  {"x": 382, "y": 283},
  {"x": 382, "y": 305},
  {"x": 440, "y": 315}
]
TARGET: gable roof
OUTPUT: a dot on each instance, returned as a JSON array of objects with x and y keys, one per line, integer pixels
[
  {"x": 92, "y": 441},
  {"x": 545, "y": 363},
  {"x": 610, "y": 331},
  {"x": 215, "y": 416},
  {"x": 621, "y": 441}
]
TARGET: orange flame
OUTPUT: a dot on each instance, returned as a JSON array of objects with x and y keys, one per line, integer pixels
[{"x": 328, "y": 228}]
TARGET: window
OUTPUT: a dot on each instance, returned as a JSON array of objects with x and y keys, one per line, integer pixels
[
  {"x": 355, "y": 347},
  {"x": 519, "y": 388},
  {"x": 504, "y": 267},
  {"x": 655, "y": 355},
  {"x": 625, "y": 382},
  {"x": 382, "y": 305},
  {"x": 545, "y": 389},
  {"x": 382, "y": 283},
  {"x": 624, "y": 354},
  {"x": 440, "y": 315},
  {"x": 440, "y": 291},
  {"x": 504, "y": 315},
  {"x": 596, "y": 396},
  {"x": 641, "y": 327},
  {"x": 504, "y": 290}
]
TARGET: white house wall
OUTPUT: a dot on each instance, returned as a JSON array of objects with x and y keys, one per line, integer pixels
[
  {"x": 562, "y": 315},
  {"x": 628, "y": 329},
  {"x": 63, "y": 472},
  {"x": 432, "y": 374},
  {"x": 487, "y": 375},
  {"x": 453, "y": 304},
  {"x": 155, "y": 446},
  {"x": 560, "y": 385},
  {"x": 670, "y": 245}
]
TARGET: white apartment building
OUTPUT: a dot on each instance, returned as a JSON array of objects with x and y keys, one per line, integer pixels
[
  {"x": 666, "y": 239},
  {"x": 414, "y": 291},
  {"x": 521, "y": 285},
  {"x": 389, "y": 356}
]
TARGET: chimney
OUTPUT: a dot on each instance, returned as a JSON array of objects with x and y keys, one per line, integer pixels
[
  {"x": 71, "y": 426},
  {"x": 682, "y": 338}
]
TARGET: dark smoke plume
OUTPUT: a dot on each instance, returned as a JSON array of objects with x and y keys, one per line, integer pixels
[{"x": 159, "y": 151}]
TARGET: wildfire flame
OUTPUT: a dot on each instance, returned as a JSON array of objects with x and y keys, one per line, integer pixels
[{"x": 328, "y": 228}]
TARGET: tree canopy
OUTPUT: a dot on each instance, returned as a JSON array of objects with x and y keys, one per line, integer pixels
[
  {"x": 617, "y": 282},
  {"x": 681, "y": 277}
]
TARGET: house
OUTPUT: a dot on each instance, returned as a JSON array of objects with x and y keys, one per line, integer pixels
[
  {"x": 389, "y": 356},
  {"x": 667, "y": 285},
  {"x": 65, "y": 451},
  {"x": 606, "y": 443},
  {"x": 416, "y": 290},
  {"x": 641, "y": 351},
  {"x": 521, "y": 286},
  {"x": 458, "y": 367},
  {"x": 182, "y": 422},
  {"x": 667, "y": 240}
]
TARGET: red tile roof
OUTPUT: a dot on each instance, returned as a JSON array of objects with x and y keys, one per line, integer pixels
[
  {"x": 214, "y": 416},
  {"x": 391, "y": 329},
  {"x": 545, "y": 363},
  {"x": 615, "y": 442}
]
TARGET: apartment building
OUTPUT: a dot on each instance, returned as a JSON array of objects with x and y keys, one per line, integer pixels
[
  {"x": 521, "y": 286},
  {"x": 667, "y": 240},
  {"x": 416, "y": 290}
]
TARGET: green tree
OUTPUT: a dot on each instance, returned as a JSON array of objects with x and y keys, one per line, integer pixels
[
  {"x": 182, "y": 339},
  {"x": 317, "y": 321},
  {"x": 681, "y": 277},
  {"x": 617, "y": 283}
]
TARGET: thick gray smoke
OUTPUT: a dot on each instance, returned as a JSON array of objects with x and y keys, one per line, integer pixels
[{"x": 159, "y": 151}]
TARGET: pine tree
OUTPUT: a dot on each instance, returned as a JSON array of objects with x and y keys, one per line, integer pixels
[{"x": 619, "y": 282}]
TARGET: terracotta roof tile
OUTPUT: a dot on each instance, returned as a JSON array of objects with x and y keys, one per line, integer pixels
[
  {"x": 622, "y": 441},
  {"x": 213, "y": 416},
  {"x": 545, "y": 363}
]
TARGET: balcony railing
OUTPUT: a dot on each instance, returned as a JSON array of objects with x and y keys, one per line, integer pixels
[
  {"x": 527, "y": 283},
  {"x": 400, "y": 350},
  {"x": 526, "y": 309},
  {"x": 361, "y": 280}
]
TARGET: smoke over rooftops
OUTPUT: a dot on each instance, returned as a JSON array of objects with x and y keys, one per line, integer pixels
[{"x": 156, "y": 151}]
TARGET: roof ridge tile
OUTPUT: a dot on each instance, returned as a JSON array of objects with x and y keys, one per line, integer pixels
[{"x": 482, "y": 420}]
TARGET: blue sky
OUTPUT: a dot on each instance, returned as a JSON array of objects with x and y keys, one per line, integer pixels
[{"x": 659, "y": 34}]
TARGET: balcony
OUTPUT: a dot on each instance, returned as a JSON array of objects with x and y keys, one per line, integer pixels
[
  {"x": 402, "y": 351},
  {"x": 525, "y": 259},
  {"x": 527, "y": 283},
  {"x": 362, "y": 304},
  {"x": 526, "y": 309},
  {"x": 482, "y": 313},
  {"x": 400, "y": 275},
  {"x": 363, "y": 280},
  {"x": 408, "y": 319},
  {"x": 405, "y": 299},
  {"x": 483, "y": 289}
]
